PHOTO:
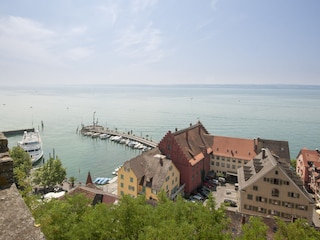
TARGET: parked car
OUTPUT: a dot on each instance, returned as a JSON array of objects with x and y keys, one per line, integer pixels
[
  {"x": 230, "y": 203},
  {"x": 198, "y": 197}
]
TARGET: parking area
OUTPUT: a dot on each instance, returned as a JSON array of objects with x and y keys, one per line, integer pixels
[{"x": 227, "y": 191}]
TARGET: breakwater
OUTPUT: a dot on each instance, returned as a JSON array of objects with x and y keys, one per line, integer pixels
[{"x": 11, "y": 133}]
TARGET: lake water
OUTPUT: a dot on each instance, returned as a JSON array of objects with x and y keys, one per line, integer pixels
[{"x": 289, "y": 113}]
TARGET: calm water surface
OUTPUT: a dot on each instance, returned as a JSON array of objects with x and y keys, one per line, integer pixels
[{"x": 290, "y": 113}]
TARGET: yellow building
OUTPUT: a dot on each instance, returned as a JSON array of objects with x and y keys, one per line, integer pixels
[
  {"x": 268, "y": 187},
  {"x": 148, "y": 174}
]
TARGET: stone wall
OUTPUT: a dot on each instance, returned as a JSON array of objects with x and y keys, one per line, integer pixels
[
  {"x": 3, "y": 143},
  {"x": 6, "y": 164}
]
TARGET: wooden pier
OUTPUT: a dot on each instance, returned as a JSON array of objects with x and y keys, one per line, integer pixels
[
  {"x": 17, "y": 132},
  {"x": 101, "y": 130}
]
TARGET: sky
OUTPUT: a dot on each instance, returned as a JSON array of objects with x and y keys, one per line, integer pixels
[{"x": 159, "y": 42}]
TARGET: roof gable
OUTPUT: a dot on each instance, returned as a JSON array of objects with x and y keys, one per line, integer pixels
[
  {"x": 191, "y": 140},
  {"x": 150, "y": 168}
]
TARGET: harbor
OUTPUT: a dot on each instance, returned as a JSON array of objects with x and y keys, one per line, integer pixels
[{"x": 96, "y": 131}]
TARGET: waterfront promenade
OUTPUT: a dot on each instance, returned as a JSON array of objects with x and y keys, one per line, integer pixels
[{"x": 101, "y": 130}]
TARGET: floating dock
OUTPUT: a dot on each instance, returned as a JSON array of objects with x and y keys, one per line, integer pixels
[{"x": 17, "y": 132}]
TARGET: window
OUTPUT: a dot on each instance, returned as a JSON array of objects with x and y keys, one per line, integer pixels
[
  {"x": 287, "y": 204},
  {"x": 275, "y": 192},
  {"x": 131, "y": 188},
  {"x": 249, "y": 196},
  {"x": 212, "y": 163},
  {"x": 121, "y": 184},
  {"x": 167, "y": 178},
  {"x": 293, "y": 195},
  {"x": 285, "y": 182},
  {"x": 217, "y": 164},
  {"x": 275, "y": 181},
  {"x": 255, "y": 188},
  {"x": 233, "y": 166},
  {"x": 222, "y": 164},
  {"x": 274, "y": 202},
  {"x": 170, "y": 168},
  {"x": 131, "y": 179},
  {"x": 261, "y": 199},
  {"x": 301, "y": 207},
  {"x": 228, "y": 165},
  {"x": 121, "y": 176}
]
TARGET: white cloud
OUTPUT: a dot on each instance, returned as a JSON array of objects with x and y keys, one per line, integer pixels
[
  {"x": 78, "y": 53},
  {"x": 79, "y": 30},
  {"x": 141, "y": 45},
  {"x": 111, "y": 11},
  {"x": 25, "y": 40},
  {"x": 141, "y": 5},
  {"x": 214, "y": 4}
]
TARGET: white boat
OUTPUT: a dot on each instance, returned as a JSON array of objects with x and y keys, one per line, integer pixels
[
  {"x": 31, "y": 142},
  {"x": 104, "y": 136},
  {"x": 95, "y": 135}
]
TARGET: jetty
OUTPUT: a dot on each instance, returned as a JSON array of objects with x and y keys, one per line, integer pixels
[
  {"x": 11, "y": 133},
  {"x": 102, "y": 130}
]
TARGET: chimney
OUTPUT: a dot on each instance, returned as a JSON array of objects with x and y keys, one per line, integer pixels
[
  {"x": 176, "y": 129},
  {"x": 263, "y": 153}
]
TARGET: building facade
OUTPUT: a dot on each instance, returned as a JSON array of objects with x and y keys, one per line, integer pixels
[
  {"x": 268, "y": 187},
  {"x": 190, "y": 153},
  {"x": 308, "y": 168},
  {"x": 148, "y": 174},
  {"x": 229, "y": 154}
]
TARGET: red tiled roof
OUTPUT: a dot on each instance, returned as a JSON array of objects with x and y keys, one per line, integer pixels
[
  {"x": 191, "y": 141},
  {"x": 310, "y": 156},
  {"x": 233, "y": 147}
]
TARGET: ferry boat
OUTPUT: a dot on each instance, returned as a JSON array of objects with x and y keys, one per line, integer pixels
[{"x": 31, "y": 142}]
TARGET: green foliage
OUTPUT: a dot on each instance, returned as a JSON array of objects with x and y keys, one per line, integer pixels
[
  {"x": 293, "y": 163},
  {"x": 131, "y": 218},
  {"x": 59, "y": 219},
  {"x": 72, "y": 179},
  {"x": 300, "y": 229},
  {"x": 51, "y": 173},
  {"x": 254, "y": 229},
  {"x": 22, "y": 166}
]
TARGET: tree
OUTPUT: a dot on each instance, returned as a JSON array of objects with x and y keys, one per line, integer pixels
[
  {"x": 299, "y": 229},
  {"x": 22, "y": 166},
  {"x": 72, "y": 179},
  {"x": 255, "y": 229},
  {"x": 293, "y": 163},
  {"x": 51, "y": 173}
]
